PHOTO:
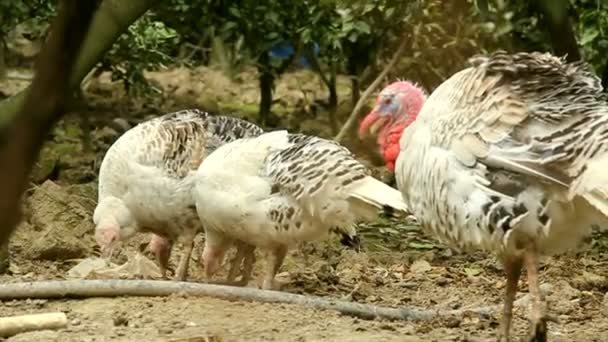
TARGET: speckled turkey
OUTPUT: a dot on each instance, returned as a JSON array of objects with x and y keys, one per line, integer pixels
[
  {"x": 510, "y": 156},
  {"x": 146, "y": 180},
  {"x": 278, "y": 189}
]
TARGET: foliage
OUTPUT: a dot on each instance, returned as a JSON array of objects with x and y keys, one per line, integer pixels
[
  {"x": 145, "y": 46},
  {"x": 522, "y": 28},
  {"x": 353, "y": 35},
  {"x": 35, "y": 12}
]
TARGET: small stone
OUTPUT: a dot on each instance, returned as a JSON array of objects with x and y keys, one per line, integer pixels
[
  {"x": 566, "y": 290},
  {"x": 123, "y": 124},
  {"x": 546, "y": 289},
  {"x": 420, "y": 266},
  {"x": 165, "y": 330},
  {"x": 441, "y": 281},
  {"x": 75, "y": 322},
  {"x": 456, "y": 305},
  {"x": 120, "y": 319},
  {"x": 452, "y": 322},
  {"x": 605, "y": 305}
]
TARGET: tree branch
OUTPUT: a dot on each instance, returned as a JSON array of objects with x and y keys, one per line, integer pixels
[
  {"x": 22, "y": 137},
  {"x": 111, "y": 19},
  {"x": 152, "y": 288},
  {"x": 559, "y": 25},
  {"x": 352, "y": 119}
]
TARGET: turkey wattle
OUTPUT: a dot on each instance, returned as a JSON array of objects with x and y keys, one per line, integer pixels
[
  {"x": 278, "y": 189},
  {"x": 146, "y": 180},
  {"x": 509, "y": 155}
]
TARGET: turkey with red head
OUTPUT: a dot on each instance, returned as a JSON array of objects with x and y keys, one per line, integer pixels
[
  {"x": 509, "y": 156},
  {"x": 396, "y": 107}
]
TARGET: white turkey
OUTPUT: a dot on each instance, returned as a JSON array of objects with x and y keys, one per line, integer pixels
[
  {"x": 278, "y": 189},
  {"x": 146, "y": 180},
  {"x": 509, "y": 155}
]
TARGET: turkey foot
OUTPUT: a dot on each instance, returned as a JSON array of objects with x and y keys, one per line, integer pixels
[
  {"x": 538, "y": 317},
  {"x": 182, "y": 269},
  {"x": 273, "y": 264},
  {"x": 513, "y": 270},
  {"x": 248, "y": 263},
  {"x": 244, "y": 253},
  {"x": 160, "y": 246}
]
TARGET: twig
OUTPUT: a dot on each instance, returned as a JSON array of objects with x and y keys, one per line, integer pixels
[
  {"x": 355, "y": 113},
  {"x": 116, "y": 287},
  {"x": 10, "y": 326}
]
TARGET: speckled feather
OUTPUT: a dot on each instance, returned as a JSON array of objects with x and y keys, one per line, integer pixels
[
  {"x": 149, "y": 168},
  {"x": 285, "y": 188},
  {"x": 509, "y": 151},
  {"x": 310, "y": 165}
]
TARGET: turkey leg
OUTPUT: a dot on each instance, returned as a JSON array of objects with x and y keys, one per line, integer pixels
[
  {"x": 182, "y": 269},
  {"x": 273, "y": 263},
  {"x": 245, "y": 253},
  {"x": 160, "y": 246},
  {"x": 538, "y": 318},
  {"x": 248, "y": 264},
  {"x": 513, "y": 270}
]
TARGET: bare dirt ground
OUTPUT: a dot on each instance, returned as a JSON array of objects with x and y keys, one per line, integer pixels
[{"x": 398, "y": 266}]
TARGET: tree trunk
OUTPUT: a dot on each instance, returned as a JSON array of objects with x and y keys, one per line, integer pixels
[
  {"x": 2, "y": 59},
  {"x": 559, "y": 25},
  {"x": 605, "y": 77},
  {"x": 266, "y": 80},
  {"x": 111, "y": 19},
  {"x": 355, "y": 92},
  {"x": 21, "y": 136},
  {"x": 43, "y": 107},
  {"x": 333, "y": 100}
]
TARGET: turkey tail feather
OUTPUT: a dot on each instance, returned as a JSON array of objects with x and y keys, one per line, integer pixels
[{"x": 380, "y": 196}]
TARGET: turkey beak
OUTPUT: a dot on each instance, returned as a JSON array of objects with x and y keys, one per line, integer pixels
[
  {"x": 376, "y": 126},
  {"x": 107, "y": 240},
  {"x": 369, "y": 124}
]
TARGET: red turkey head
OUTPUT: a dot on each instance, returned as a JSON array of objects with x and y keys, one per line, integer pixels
[{"x": 396, "y": 107}]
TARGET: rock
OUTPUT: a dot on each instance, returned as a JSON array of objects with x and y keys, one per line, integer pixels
[
  {"x": 63, "y": 222},
  {"x": 137, "y": 266},
  {"x": 420, "y": 266},
  {"x": 123, "y": 124},
  {"x": 546, "y": 289},
  {"x": 120, "y": 319},
  {"x": 565, "y": 290},
  {"x": 605, "y": 305},
  {"x": 85, "y": 267}
]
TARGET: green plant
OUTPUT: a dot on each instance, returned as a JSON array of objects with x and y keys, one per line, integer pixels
[{"x": 145, "y": 46}]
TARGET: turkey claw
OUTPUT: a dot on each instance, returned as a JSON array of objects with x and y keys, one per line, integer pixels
[{"x": 539, "y": 330}]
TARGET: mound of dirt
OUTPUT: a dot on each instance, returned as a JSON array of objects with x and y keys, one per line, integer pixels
[{"x": 62, "y": 221}]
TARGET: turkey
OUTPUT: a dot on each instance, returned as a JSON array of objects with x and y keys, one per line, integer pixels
[
  {"x": 278, "y": 189},
  {"x": 146, "y": 179},
  {"x": 509, "y": 155}
]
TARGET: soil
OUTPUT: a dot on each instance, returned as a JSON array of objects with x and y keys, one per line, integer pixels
[{"x": 397, "y": 266}]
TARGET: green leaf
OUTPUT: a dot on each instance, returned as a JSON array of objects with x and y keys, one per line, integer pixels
[
  {"x": 362, "y": 26},
  {"x": 588, "y": 35},
  {"x": 472, "y": 272}
]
